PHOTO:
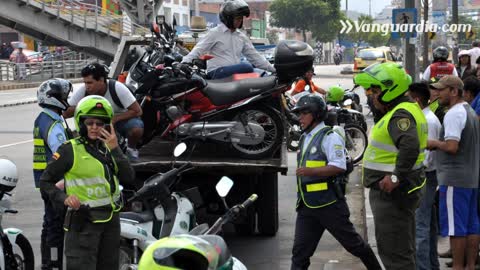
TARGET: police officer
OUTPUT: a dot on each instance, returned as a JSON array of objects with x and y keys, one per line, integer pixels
[
  {"x": 321, "y": 205},
  {"x": 392, "y": 164},
  {"x": 92, "y": 166},
  {"x": 49, "y": 133}
]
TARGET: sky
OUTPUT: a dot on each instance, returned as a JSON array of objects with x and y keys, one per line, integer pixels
[{"x": 362, "y": 5}]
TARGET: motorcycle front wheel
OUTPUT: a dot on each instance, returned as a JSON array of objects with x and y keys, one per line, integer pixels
[
  {"x": 272, "y": 125},
  {"x": 356, "y": 141},
  {"x": 23, "y": 253},
  {"x": 125, "y": 258}
]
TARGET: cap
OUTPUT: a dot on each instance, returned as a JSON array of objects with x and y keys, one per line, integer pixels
[{"x": 448, "y": 81}]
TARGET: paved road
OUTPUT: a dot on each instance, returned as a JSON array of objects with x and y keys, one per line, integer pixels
[{"x": 256, "y": 252}]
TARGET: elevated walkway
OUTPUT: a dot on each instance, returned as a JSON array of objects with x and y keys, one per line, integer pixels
[{"x": 81, "y": 26}]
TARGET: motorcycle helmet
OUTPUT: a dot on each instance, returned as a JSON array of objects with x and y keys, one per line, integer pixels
[
  {"x": 335, "y": 94},
  {"x": 92, "y": 106},
  {"x": 440, "y": 54},
  {"x": 390, "y": 77},
  {"x": 8, "y": 175},
  {"x": 186, "y": 252},
  {"x": 232, "y": 9},
  {"x": 54, "y": 93},
  {"x": 313, "y": 104}
]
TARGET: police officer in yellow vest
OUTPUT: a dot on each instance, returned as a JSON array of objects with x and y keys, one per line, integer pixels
[
  {"x": 92, "y": 166},
  {"x": 321, "y": 205},
  {"x": 392, "y": 164}
]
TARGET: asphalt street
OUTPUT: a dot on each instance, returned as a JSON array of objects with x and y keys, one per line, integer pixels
[{"x": 260, "y": 253}]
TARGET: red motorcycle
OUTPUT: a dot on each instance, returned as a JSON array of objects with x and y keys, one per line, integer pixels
[{"x": 247, "y": 114}]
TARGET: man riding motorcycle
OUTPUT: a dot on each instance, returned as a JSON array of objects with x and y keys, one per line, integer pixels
[{"x": 226, "y": 43}]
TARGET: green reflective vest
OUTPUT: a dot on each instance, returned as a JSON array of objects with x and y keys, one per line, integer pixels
[
  {"x": 381, "y": 153},
  {"x": 87, "y": 180}
]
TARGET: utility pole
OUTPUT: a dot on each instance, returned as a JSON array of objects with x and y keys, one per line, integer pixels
[
  {"x": 346, "y": 7},
  {"x": 455, "y": 34},
  {"x": 410, "y": 48},
  {"x": 425, "y": 35},
  {"x": 370, "y": 8}
]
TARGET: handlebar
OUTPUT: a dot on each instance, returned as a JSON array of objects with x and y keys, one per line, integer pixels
[{"x": 249, "y": 201}]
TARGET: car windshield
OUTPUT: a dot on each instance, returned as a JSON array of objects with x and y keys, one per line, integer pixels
[{"x": 371, "y": 54}]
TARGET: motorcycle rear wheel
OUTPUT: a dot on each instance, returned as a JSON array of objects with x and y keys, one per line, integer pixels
[
  {"x": 356, "y": 141},
  {"x": 273, "y": 126}
]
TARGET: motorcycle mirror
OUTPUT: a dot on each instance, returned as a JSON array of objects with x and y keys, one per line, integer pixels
[
  {"x": 223, "y": 186},
  {"x": 120, "y": 187},
  {"x": 179, "y": 149},
  {"x": 347, "y": 102}
]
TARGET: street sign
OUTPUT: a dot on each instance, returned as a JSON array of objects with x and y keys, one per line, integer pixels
[
  {"x": 431, "y": 35},
  {"x": 470, "y": 35},
  {"x": 406, "y": 17}
]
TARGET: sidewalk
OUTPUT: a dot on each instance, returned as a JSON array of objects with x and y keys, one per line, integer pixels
[{"x": 11, "y": 85}]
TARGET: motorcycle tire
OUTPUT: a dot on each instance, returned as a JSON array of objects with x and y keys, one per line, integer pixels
[
  {"x": 352, "y": 132},
  {"x": 25, "y": 260},
  {"x": 275, "y": 132},
  {"x": 125, "y": 258}
]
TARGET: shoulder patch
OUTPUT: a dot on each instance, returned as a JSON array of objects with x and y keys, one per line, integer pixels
[
  {"x": 56, "y": 155},
  {"x": 403, "y": 124},
  {"x": 60, "y": 137}
]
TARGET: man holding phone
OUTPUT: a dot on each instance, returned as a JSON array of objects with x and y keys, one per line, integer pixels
[{"x": 127, "y": 110}]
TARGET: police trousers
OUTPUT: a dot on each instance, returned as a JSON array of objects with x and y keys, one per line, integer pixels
[
  {"x": 51, "y": 240},
  {"x": 95, "y": 246},
  {"x": 394, "y": 219},
  {"x": 335, "y": 218}
]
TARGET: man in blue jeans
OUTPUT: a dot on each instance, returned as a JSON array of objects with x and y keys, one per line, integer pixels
[
  {"x": 425, "y": 215},
  {"x": 227, "y": 44}
]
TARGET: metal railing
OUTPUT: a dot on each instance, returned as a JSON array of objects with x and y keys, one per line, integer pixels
[
  {"x": 89, "y": 16},
  {"x": 39, "y": 71}
]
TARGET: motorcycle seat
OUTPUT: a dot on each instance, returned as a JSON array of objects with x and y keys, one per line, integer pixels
[
  {"x": 141, "y": 217},
  {"x": 220, "y": 245},
  {"x": 223, "y": 93}
]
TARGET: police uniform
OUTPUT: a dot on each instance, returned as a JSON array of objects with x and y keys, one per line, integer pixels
[
  {"x": 397, "y": 144},
  {"x": 92, "y": 173},
  {"x": 320, "y": 207},
  {"x": 49, "y": 133}
]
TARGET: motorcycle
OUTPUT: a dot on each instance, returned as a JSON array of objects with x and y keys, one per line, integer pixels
[
  {"x": 17, "y": 253},
  {"x": 166, "y": 213},
  {"x": 202, "y": 234}
]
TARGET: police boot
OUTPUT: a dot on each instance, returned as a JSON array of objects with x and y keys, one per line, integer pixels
[{"x": 45, "y": 251}]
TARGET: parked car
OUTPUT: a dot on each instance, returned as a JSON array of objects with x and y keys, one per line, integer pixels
[
  {"x": 32, "y": 56},
  {"x": 368, "y": 56}
]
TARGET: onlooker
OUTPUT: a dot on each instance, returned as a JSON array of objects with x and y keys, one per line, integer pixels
[
  {"x": 426, "y": 216},
  {"x": 4, "y": 51},
  {"x": 307, "y": 80},
  {"x": 471, "y": 87},
  {"x": 440, "y": 67},
  {"x": 457, "y": 166},
  {"x": 20, "y": 60},
  {"x": 464, "y": 67},
  {"x": 126, "y": 109},
  {"x": 474, "y": 53}
]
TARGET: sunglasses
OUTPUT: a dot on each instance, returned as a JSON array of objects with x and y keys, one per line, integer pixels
[{"x": 94, "y": 122}]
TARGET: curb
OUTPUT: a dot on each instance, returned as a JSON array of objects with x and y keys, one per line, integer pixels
[
  {"x": 18, "y": 103},
  {"x": 14, "y": 86}
]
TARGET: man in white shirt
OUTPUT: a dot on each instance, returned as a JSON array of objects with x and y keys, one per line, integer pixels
[
  {"x": 425, "y": 215},
  {"x": 474, "y": 53},
  {"x": 226, "y": 43},
  {"x": 126, "y": 109}
]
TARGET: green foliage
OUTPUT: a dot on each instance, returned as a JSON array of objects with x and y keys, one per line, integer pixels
[
  {"x": 272, "y": 36},
  {"x": 374, "y": 39},
  {"x": 321, "y": 17}
]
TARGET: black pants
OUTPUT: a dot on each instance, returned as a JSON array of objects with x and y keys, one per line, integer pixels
[
  {"x": 335, "y": 218},
  {"x": 51, "y": 240},
  {"x": 95, "y": 247}
]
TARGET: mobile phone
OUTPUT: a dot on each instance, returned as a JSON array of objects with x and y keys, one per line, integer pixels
[{"x": 108, "y": 128}]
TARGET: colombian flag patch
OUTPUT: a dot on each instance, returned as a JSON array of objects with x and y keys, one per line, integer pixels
[{"x": 56, "y": 155}]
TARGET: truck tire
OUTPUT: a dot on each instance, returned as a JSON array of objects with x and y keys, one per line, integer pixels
[{"x": 267, "y": 204}]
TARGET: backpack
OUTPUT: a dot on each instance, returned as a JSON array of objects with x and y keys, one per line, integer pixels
[{"x": 113, "y": 93}]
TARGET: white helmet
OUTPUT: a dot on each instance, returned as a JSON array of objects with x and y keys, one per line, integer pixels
[
  {"x": 54, "y": 93},
  {"x": 8, "y": 175}
]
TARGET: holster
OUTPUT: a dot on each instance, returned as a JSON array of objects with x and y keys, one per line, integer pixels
[
  {"x": 75, "y": 220},
  {"x": 338, "y": 186}
]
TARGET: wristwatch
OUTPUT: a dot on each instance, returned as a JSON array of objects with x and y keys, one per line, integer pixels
[{"x": 394, "y": 179}]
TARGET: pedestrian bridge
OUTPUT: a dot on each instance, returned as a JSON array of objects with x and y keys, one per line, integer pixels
[{"x": 81, "y": 26}]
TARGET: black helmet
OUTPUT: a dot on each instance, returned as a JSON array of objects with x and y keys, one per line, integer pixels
[
  {"x": 440, "y": 53},
  {"x": 313, "y": 104},
  {"x": 232, "y": 9}
]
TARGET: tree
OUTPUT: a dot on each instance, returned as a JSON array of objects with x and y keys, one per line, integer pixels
[
  {"x": 272, "y": 36},
  {"x": 374, "y": 39},
  {"x": 321, "y": 17}
]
